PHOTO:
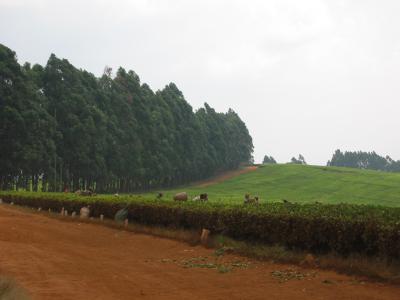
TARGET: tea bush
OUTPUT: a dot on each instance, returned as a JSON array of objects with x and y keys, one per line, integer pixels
[{"x": 343, "y": 229}]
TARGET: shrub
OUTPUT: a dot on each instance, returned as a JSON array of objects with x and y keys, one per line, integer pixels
[{"x": 342, "y": 229}]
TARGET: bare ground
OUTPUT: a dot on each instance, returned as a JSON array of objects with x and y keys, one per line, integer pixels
[
  {"x": 54, "y": 259},
  {"x": 225, "y": 176}
]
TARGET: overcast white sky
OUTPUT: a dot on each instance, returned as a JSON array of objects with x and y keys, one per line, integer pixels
[{"x": 306, "y": 76}]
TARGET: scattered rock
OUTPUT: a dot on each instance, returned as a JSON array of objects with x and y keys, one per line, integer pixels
[{"x": 290, "y": 274}]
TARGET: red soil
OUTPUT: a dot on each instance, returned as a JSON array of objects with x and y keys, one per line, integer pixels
[
  {"x": 226, "y": 175},
  {"x": 55, "y": 259}
]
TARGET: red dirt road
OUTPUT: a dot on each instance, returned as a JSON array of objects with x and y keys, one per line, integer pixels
[{"x": 55, "y": 259}]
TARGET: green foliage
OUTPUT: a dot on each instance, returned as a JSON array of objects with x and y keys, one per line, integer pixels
[
  {"x": 364, "y": 160},
  {"x": 269, "y": 160},
  {"x": 298, "y": 161},
  {"x": 63, "y": 128},
  {"x": 343, "y": 228},
  {"x": 26, "y": 128}
]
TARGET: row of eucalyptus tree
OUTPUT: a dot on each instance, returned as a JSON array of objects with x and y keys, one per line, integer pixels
[{"x": 64, "y": 128}]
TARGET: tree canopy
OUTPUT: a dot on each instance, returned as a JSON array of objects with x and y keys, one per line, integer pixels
[
  {"x": 269, "y": 160},
  {"x": 62, "y": 127},
  {"x": 299, "y": 161},
  {"x": 364, "y": 160}
]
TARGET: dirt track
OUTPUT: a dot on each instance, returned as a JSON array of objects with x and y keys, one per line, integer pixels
[
  {"x": 225, "y": 176},
  {"x": 54, "y": 259}
]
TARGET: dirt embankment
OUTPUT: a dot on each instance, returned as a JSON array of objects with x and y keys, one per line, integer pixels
[
  {"x": 54, "y": 259},
  {"x": 225, "y": 176}
]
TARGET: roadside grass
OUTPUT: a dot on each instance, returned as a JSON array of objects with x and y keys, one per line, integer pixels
[
  {"x": 9, "y": 290},
  {"x": 373, "y": 268}
]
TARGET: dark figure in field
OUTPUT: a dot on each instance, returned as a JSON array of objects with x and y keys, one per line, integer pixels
[
  {"x": 248, "y": 200},
  {"x": 159, "y": 196},
  {"x": 85, "y": 212},
  {"x": 121, "y": 215},
  {"x": 204, "y": 197},
  {"x": 181, "y": 196},
  {"x": 88, "y": 192},
  {"x": 201, "y": 197},
  {"x": 286, "y": 201}
]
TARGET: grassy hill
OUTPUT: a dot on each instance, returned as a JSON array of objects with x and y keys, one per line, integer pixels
[
  {"x": 295, "y": 183},
  {"x": 307, "y": 184}
]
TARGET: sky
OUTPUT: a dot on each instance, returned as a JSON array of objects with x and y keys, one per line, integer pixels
[{"x": 307, "y": 77}]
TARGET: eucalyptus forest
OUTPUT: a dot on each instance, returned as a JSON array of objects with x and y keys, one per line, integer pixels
[{"x": 63, "y": 128}]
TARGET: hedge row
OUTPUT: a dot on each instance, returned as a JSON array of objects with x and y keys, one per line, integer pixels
[{"x": 343, "y": 229}]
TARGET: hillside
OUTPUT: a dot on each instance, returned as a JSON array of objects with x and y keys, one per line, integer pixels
[{"x": 307, "y": 184}]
